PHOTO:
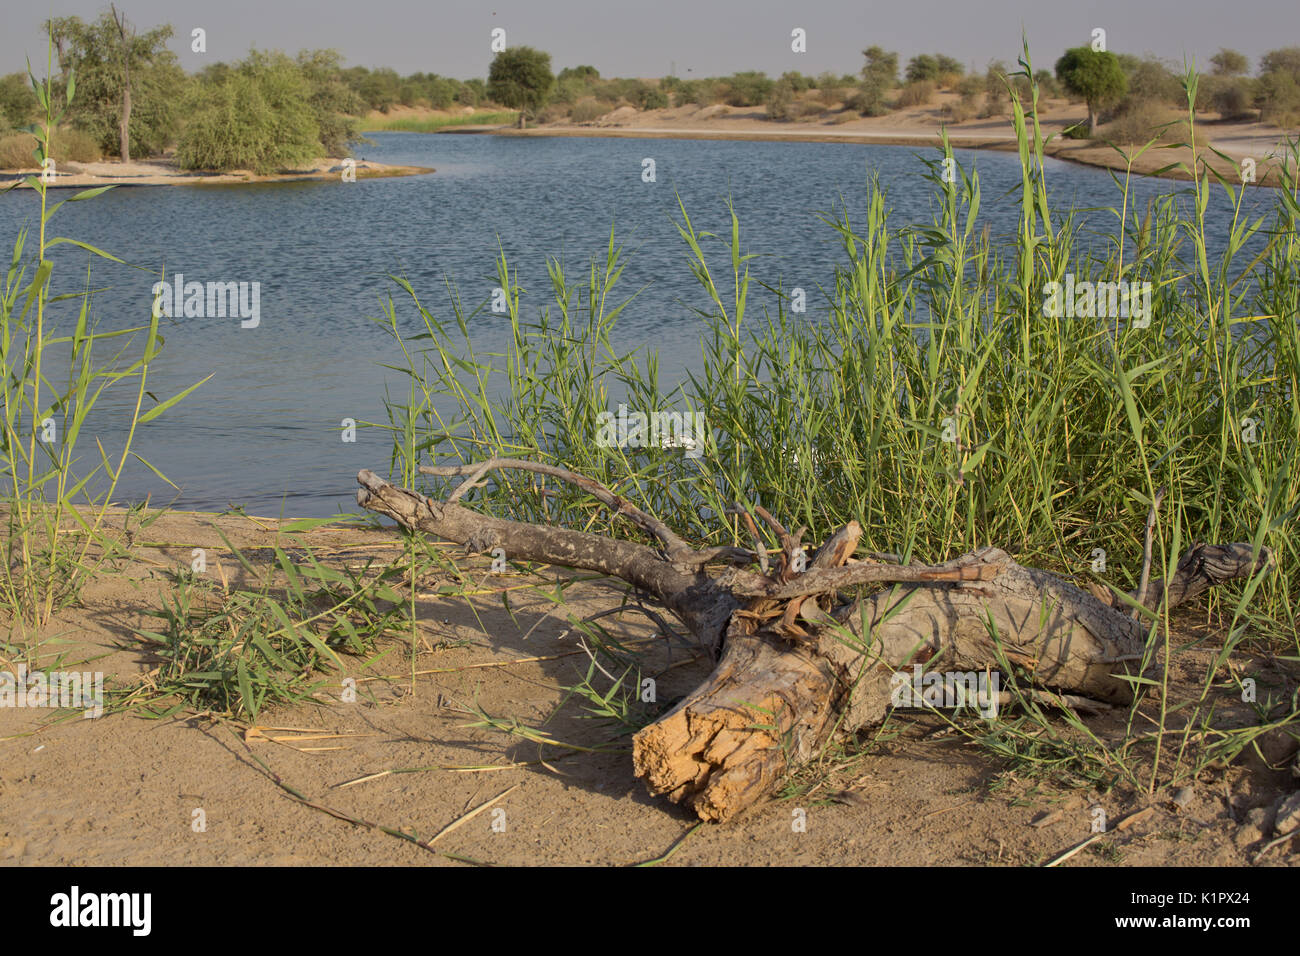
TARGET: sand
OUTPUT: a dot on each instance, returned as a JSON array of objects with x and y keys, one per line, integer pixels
[
  {"x": 122, "y": 789},
  {"x": 165, "y": 172}
]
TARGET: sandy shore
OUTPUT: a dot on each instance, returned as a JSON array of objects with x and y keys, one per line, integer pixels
[
  {"x": 404, "y": 753},
  {"x": 921, "y": 126},
  {"x": 165, "y": 172}
]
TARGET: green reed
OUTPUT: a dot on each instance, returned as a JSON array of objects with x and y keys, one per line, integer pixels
[{"x": 54, "y": 369}]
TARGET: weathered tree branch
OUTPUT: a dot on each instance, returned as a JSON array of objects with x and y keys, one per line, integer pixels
[{"x": 798, "y": 658}]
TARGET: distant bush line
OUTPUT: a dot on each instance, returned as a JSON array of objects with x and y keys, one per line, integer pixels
[{"x": 272, "y": 111}]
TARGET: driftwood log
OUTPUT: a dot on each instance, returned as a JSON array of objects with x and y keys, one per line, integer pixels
[{"x": 799, "y": 654}]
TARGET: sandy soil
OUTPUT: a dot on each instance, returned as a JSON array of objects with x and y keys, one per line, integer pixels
[
  {"x": 122, "y": 789},
  {"x": 164, "y": 172}
]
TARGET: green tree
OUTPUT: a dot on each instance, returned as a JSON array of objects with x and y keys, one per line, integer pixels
[
  {"x": 881, "y": 67},
  {"x": 749, "y": 88},
  {"x": 1277, "y": 91},
  {"x": 879, "y": 75},
  {"x": 949, "y": 65},
  {"x": 1229, "y": 62},
  {"x": 127, "y": 82},
  {"x": 335, "y": 105},
  {"x": 922, "y": 67},
  {"x": 521, "y": 78},
  {"x": 586, "y": 74},
  {"x": 1285, "y": 60},
  {"x": 1095, "y": 76},
  {"x": 257, "y": 116},
  {"x": 18, "y": 104}
]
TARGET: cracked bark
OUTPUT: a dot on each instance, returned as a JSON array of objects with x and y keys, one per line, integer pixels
[{"x": 799, "y": 658}]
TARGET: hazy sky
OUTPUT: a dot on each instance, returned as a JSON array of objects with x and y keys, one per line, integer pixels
[{"x": 696, "y": 37}]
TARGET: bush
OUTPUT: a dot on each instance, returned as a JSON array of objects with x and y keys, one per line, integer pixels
[
  {"x": 869, "y": 100},
  {"x": 966, "y": 108},
  {"x": 1150, "y": 82},
  {"x": 471, "y": 93},
  {"x": 805, "y": 108},
  {"x": 1277, "y": 91},
  {"x": 798, "y": 82},
  {"x": 1143, "y": 122},
  {"x": 1278, "y": 98},
  {"x": 698, "y": 92},
  {"x": 996, "y": 100},
  {"x": 70, "y": 146},
  {"x": 916, "y": 93},
  {"x": 18, "y": 104},
  {"x": 1047, "y": 85},
  {"x": 647, "y": 97},
  {"x": 16, "y": 151},
  {"x": 750, "y": 88},
  {"x": 1232, "y": 97},
  {"x": 582, "y": 74},
  {"x": 258, "y": 117},
  {"x": 589, "y": 109},
  {"x": 780, "y": 102}
]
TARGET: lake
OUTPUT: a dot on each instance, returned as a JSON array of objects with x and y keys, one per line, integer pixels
[{"x": 264, "y": 432}]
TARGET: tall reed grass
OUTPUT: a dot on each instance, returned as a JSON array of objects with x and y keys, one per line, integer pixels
[
  {"x": 934, "y": 399},
  {"x": 55, "y": 366}
]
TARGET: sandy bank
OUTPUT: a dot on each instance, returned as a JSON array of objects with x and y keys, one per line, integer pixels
[{"x": 165, "y": 172}]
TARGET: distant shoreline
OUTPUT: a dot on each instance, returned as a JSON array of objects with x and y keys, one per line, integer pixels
[
  {"x": 1154, "y": 162},
  {"x": 162, "y": 172}
]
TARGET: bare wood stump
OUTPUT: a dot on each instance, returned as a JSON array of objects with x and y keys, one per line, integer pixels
[{"x": 800, "y": 655}]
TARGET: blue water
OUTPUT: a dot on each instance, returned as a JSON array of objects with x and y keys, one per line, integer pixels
[{"x": 264, "y": 431}]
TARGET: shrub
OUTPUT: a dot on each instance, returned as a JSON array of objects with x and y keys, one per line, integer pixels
[
  {"x": 916, "y": 93},
  {"x": 647, "y": 97},
  {"x": 18, "y": 104},
  {"x": 922, "y": 67},
  {"x": 1047, "y": 85},
  {"x": 1232, "y": 97},
  {"x": 869, "y": 100},
  {"x": 1277, "y": 91},
  {"x": 471, "y": 93},
  {"x": 797, "y": 81},
  {"x": 589, "y": 109},
  {"x": 70, "y": 146},
  {"x": 750, "y": 88},
  {"x": 780, "y": 102},
  {"x": 996, "y": 100},
  {"x": 258, "y": 119},
  {"x": 1278, "y": 98},
  {"x": 582, "y": 74},
  {"x": 698, "y": 92},
  {"x": 805, "y": 108},
  {"x": 1150, "y": 82},
  {"x": 16, "y": 151}
]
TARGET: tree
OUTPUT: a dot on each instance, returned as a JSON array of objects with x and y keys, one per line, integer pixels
[
  {"x": 1285, "y": 60},
  {"x": 18, "y": 104},
  {"x": 587, "y": 74},
  {"x": 881, "y": 67},
  {"x": 1095, "y": 76},
  {"x": 258, "y": 116},
  {"x": 1277, "y": 92},
  {"x": 127, "y": 82},
  {"x": 879, "y": 75},
  {"x": 521, "y": 78},
  {"x": 335, "y": 105},
  {"x": 1229, "y": 62},
  {"x": 922, "y": 67},
  {"x": 949, "y": 65}
]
